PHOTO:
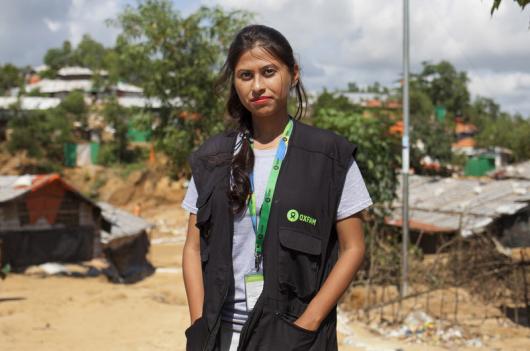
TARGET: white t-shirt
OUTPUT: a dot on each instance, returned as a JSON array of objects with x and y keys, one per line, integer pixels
[{"x": 354, "y": 198}]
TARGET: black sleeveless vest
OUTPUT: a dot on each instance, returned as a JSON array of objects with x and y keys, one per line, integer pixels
[{"x": 300, "y": 247}]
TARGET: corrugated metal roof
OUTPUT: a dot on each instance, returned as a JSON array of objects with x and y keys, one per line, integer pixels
[
  {"x": 136, "y": 101},
  {"x": 51, "y": 86},
  {"x": 517, "y": 171},
  {"x": 79, "y": 71},
  {"x": 12, "y": 187},
  {"x": 129, "y": 88},
  {"x": 357, "y": 98},
  {"x": 9, "y": 189},
  {"x": 470, "y": 204},
  {"x": 30, "y": 102},
  {"x": 74, "y": 71},
  {"x": 124, "y": 224}
]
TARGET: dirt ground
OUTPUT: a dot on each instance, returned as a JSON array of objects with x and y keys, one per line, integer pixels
[
  {"x": 39, "y": 312},
  {"x": 43, "y": 312}
]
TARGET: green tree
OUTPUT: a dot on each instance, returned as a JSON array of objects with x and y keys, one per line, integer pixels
[
  {"x": 497, "y": 3},
  {"x": 172, "y": 56},
  {"x": 377, "y": 88},
  {"x": 10, "y": 76},
  {"x": 116, "y": 117},
  {"x": 482, "y": 112},
  {"x": 56, "y": 58},
  {"x": 89, "y": 53},
  {"x": 73, "y": 106},
  {"x": 378, "y": 156},
  {"x": 328, "y": 100},
  {"x": 353, "y": 87},
  {"x": 512, "y": 132},
  {"x": 429, "y": 136},
  {"x": 444, "y": 85},
  {"x": 41, "y": 134}
]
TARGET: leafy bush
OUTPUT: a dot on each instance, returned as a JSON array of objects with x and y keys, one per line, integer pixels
[
  {"x": 378, "y": 151},
  {"x": 41, "y": 134}
]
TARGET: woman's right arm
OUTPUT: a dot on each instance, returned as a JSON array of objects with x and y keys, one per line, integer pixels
[{"x": 192, "y": 271}]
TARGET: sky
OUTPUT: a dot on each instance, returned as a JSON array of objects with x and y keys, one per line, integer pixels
[{"x": 335, "y": 41}]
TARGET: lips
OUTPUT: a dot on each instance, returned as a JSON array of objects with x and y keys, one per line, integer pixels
[{"x": 261, "y": 99}]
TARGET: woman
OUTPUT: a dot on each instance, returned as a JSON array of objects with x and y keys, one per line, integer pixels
[{"x": 273, "y": 239}]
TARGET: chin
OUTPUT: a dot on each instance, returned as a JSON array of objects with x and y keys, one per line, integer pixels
[{"x": 264, "y": 112}]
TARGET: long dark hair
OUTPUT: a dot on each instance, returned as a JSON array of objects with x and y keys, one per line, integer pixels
[{"x": 276, "y": 45}]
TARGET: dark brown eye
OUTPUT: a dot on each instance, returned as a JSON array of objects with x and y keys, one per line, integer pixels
[
  {"x": 245, "y": 75},
  {"x": 269, "y": 72}
]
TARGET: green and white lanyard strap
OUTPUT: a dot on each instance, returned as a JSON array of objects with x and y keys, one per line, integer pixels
[{"x": 261, "y": 228}]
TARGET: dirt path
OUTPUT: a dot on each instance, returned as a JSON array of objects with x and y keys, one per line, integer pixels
[
  {"x": 59, "y": 313},
  {"x": 66, "y": 313}
]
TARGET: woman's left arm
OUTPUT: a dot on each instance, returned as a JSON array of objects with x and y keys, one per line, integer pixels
[{"x": 351, "y": 253}]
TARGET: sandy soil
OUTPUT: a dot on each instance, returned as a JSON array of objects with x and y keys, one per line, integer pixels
[
  {"x": 57, "y": 313},
  {"x": 39, "y": 312},
  {"x": 66, "y": 313}
]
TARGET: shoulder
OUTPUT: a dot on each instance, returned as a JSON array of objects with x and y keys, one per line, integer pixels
[
  {"x": 216, "y": 151},
  {"x": 216, "y": 144},
  {"x": 324, "y": 141},
  {"x": 210, "y": 160}
]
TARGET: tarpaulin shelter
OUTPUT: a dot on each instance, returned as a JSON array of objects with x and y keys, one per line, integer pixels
[
  {"x": 126, "y": 244},
  {"x": 45, "y": 219},
  {"x": 81, "y": 154}
]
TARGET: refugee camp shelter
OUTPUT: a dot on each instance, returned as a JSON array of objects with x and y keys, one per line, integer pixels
[
  {"x": 439, "y": 207},
  {"x": 44, "y": 219},
  {"x": 515, "y": 171},
  {"x": 125, "y": 243}
]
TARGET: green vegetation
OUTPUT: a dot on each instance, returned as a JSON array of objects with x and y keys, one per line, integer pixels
[
  {"x": 497, "y": 3},
  {"x": 88, "y": 53},
  {"x": 378, "y": 150},
  {"x": 169, "y": 55},
  {"x": 40, "y": 133},
  {"x": 327, "y": 100},
  {"x": 444, "y": 85},
  {"x": 10, "y": 77},
  {"x": 176, "y": 58},
  {"x": 116, "y": 150}
]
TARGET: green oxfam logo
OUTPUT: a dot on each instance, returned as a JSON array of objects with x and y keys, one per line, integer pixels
[{"x": 292, "y": 215}]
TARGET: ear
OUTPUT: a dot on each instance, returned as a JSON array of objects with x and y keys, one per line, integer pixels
[{"x": 296, "y": 75}]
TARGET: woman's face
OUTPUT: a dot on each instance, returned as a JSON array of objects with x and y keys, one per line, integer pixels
[{"x": 262, "y": 83}]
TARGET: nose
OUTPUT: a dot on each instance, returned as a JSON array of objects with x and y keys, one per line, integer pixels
[{"x": 258, "y": 87}]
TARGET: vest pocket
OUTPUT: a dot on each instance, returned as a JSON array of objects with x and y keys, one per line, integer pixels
[
  {"x": 291, "y": 337},
  {"x": 299, "y": 258},
  {"x": 196, "y": 334}
]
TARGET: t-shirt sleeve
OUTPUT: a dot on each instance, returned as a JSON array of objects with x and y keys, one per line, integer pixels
[
  {"x": 354, "y": 197},
  {"x": 190, "y": 199}
]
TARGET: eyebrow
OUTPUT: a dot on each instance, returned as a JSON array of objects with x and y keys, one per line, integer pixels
[{"x": 270, "y": 65}]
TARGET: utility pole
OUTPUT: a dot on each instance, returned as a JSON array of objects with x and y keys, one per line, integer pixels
[{"x": 405, "y": 152}]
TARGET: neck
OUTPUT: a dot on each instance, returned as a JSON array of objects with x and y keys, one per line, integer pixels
[{"x": 267, "y": 129}]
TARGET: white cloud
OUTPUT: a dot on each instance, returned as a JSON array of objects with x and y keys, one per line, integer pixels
[
  {"x": 336, "y": 41},
  {"x": 29, "y": 28},
  {"x": 88, "y": 16},
  {"x": 510, "y": 89},
  {"x": 358, "y": 40},
  {"x": 53, "y": 26}
]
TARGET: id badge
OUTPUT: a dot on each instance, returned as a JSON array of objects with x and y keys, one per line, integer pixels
[{"x": 253, "y": 287}]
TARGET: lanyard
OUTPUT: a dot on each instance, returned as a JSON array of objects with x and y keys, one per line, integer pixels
[{"x": 261, "y": 228}]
